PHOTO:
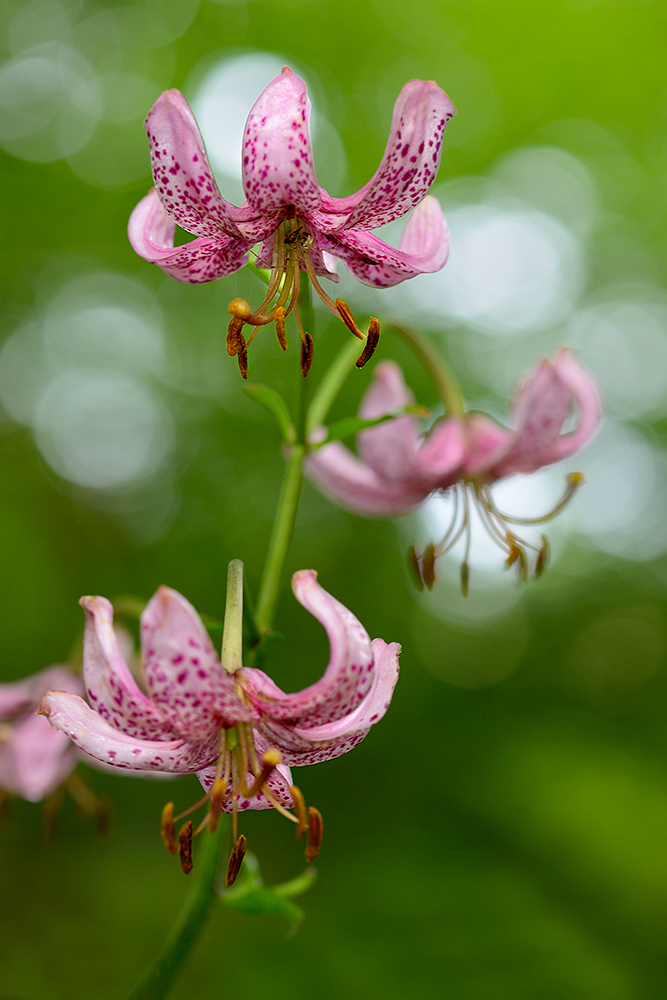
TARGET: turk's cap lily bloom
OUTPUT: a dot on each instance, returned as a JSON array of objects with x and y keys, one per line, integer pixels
[
  {"x": 299, "y": 226},
  {"x": 397, "y": 468},
  {"x": 198, "y": 717},
  {"x": 34, "y": 759}
]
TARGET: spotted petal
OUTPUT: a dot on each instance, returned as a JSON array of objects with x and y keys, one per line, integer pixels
[
  {"x": 410, "y": 162},
  {"x": 278, "y": 166},
  {"x": 151, "y": 234},
  {"x": 183, "y": 671},
  {"x": 487, "y": 442},
  {"x": 111, "y": 688},
  {"x": 347, "y": 678},
  {"x": 424, "y": 249},
  {"x": 300, "y": 746},
  {"x": 95, "y": 736},
  {"x": 181, "y": 171},
  {"x": 398, "y": 470}
]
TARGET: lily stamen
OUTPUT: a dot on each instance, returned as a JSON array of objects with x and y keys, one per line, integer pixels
[
  {"x": 315, "y": 830},
  {"x": 300, "y": 809},
  {"x": 238, "y": 754},
  {"x": 371, "y": 343},
  {"x": 188, "y": 812},
  {"x": 291, "y": 255},
  {"x": 498, "y": 526},
  {"x": 270, "y": 760},
  {"x": 185, "y": 847},
  {"x": 235, "y": 860},
  {"x": 169, "y": 828}
]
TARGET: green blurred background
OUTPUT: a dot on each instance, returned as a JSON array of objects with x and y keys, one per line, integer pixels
[{"x": 502, "y": 834}]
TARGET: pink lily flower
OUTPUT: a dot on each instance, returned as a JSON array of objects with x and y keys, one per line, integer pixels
[
  {"x": 398, "y": 469},
  {"x": 238, "y": 730},
  {"x": 34, "y": 759},
  {"x": 298, "y": 224}
]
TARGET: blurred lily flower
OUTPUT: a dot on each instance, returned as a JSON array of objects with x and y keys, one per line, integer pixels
[
  {"x": 398, "y": 468},
  {"x": 299, "y": 225},
  {"x": 34, "y": 759},
  {"x": 237, "y": 730}
]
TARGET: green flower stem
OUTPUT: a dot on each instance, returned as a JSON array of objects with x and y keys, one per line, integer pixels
[
  {"x": 283, "y": 526},
  {"x": 435, "y": 365},
  {"x": 161, "y": 975},
  {"x": 280, "y": 538},
  {"x": 331, "y": 385}
]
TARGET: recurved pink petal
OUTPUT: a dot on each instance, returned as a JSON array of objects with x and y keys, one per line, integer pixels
[
  {"x": 354, "y": 485},
  {"x": 278, "y": 168},
  {"x": 183, "y": 671},
  {"x": 394, "y": 449},
  {"x": 17, "y": 697},
  {"x": 311, "y": 745},
  {"x": 540, "y": 409},
  {"x": 347, "y": 678},
  {"x": 34, "y": 759},
  {"x": 587, "y": 399},
  {"x": 487, "y": 442},
  {"x": 112, "y": 690},
  {"x": 410, "y": 162},
  {"x": 95, "y": 736},
  {"x": 444, "y": 451},
  {"x": 424, "y": 249},
  {"x": 151, "y": 234},
  {"x": 390, "y": 448},
  {"x": 181, "y": 171},
  {"x": 426, "y": 237}
]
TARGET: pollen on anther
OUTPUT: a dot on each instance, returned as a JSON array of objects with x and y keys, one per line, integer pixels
[
  {"x": 428, "y": 566},
  {"x": 299, "y": 804},
  {"x": 185, "y": 847},
  {"x": 235, "y": 338},
  {"x": 235, "y": 860},
  {"x": 371, "y": 343},
  {"x": 242, "y": 358},
  {"x": 168, "y": 828},
  {"x": 315, "y": 830},
  {"x": 412, "y": 562},
  {"x": 306, "y": 353},
  {"x": 345, "y": 314},
  {"x": 280, "y": 327}
]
